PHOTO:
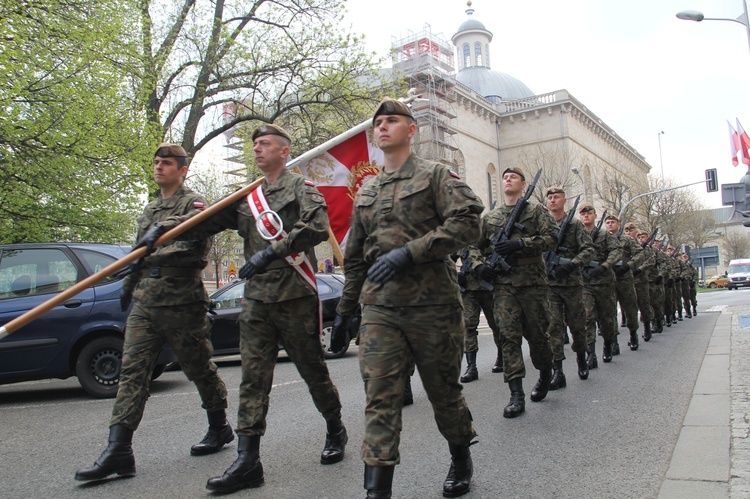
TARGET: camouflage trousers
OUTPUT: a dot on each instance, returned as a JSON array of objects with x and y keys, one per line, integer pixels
[
  {"x": 185, "y": 328},
  {"x": 686, "y": 295},
  {"x": 656, "y": 291},
  {"x": 669, "y": 309},
  {"x": 599, "y": 302},
  {"x": 392, "y": 339},
  {"x": 625, "y": 293},
  {"x": 566, "y": 310},
  {"x": 294, "y": 323},
  {"x": 521, "y": 312},
  {"x": 644, "y": 299},
  {"x": 694, "y": 294},
  {"x": 476, "y": 302}
]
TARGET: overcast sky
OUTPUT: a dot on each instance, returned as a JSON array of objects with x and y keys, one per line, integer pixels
[{"x": 632, "y": 63}]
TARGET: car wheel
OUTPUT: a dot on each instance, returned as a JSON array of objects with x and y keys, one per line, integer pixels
[
  {"x": 712, "y": 285},
  {"x": 325, "y": 340},
  {"x": 98, "y": 366}
]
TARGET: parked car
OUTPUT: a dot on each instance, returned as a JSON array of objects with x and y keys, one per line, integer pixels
[
  {"x": 83, "y": 337},
  {"x": 717, "y": 281},
  {"x": 227, "y": 303}
]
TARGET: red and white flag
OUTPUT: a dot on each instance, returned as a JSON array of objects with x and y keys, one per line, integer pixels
[
  {"x": 744, "y": 143},
  {"x": 339, "y": 170},
  {"x": 734, "y": 143}
]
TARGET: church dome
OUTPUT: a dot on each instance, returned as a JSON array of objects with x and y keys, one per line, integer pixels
[
  {"x": 470, "y": 25},
  {"x": 493, "y": 85}
]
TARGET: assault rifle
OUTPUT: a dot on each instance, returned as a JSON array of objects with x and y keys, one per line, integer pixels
[
  {"x": 594, "y": 234},
  {"x": 465, "y": 265},
  {"x": 552, "y": 258},
  {"x": 650, "y": 241},
  {"x": 496, "y": 260}
]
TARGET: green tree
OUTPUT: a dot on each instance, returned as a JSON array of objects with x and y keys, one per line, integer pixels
[{"x": 70, "y": 139}]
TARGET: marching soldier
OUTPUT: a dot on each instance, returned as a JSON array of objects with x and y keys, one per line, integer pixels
[
  {"x": 566, "y": 290},
  {"x": 407, "y": 221},
  {"x": 692, "y": 283},
  {"x": 641, "y": 281}
]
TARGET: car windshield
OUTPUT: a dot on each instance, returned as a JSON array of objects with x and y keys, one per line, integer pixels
[{"x": 739, "y": 269}]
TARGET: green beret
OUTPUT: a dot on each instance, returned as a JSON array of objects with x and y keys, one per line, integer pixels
[
  {"x": 392, "y": 106},
  {"x": 555, "y": 189},
  {"x": 168, "y": 150},
  {"x": 516, "y": 170},
  {"x": 584, "y": 207},
  {"x": 269, "y": 129}
]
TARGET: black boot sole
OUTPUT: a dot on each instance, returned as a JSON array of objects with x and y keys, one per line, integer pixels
[
  {"x": 207, "y": 450},
  {"x": 253, "y": 484},
  {"x": 127, "y": 472}
]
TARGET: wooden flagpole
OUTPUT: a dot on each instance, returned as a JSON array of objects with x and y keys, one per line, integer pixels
[{"x": 134, "y": 255}]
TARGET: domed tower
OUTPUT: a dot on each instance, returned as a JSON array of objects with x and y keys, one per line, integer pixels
[{"x": 472, "y": 41}]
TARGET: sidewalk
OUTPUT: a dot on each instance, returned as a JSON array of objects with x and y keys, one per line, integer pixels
[{"x": 712, "y": 454}]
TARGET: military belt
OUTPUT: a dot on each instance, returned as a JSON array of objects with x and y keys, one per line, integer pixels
[
  {"x": 532, "y": 260},
  {"x": 157, "y": 272}
]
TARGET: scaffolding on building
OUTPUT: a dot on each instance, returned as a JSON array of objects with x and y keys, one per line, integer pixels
[{"x": 426, "y": 62}]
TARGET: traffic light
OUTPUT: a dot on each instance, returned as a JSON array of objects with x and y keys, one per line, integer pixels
[{"x": 711, "y": 183}]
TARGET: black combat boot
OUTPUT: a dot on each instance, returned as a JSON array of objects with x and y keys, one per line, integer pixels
[
  {"x": 687, "y": 313},
  {"x": 336, "y": 439},
  {"x": 633, "y": 343},
  {"x": 517, "y": 402},
  {"x": 471, "y": 373},
  {"x": 566, "y": 338},
  {"x": 458, "y": 481},
  {"x": 378, "y": 481},
  {"x": 498, "y": 367},
  {"x": 558, "y": 376},
  {"x": 659, "y": 325},
  {"x": 591, "y": 357},
  {"x": 674, "y": 318},
  {"x": 667, "y": 321},
  {"x": 615, "y": 347},
  {"x": 246, "y": 471},
  {"x": 607, "y": 351},
  {"x": 695, "y": 310},
  {"x": 583, "y": 366},
  {"x": 647, "y": 331},
  {"x": 117, "y": 458},
  {"x": 219, "y": 434},
  {"x": 541, "y": 388},
  {"x": 679, "y": 315},
  {"x": 408, "y": 395}
]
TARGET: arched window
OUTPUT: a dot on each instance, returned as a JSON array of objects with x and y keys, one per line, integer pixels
[
  {"x": 467, "y": 56},
  {"x": 478, "y": 54}
]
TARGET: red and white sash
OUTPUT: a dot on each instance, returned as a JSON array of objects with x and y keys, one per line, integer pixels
[{"x": 256, "y": 200}]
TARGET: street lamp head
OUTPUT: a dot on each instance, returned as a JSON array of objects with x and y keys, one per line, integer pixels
[{"x": 690, "y": 15}]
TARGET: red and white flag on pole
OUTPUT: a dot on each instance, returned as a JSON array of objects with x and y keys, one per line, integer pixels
[
  {"x": 744, "y": 143},
  {"x": 338, "y": 169},
  {"x": 734, "y": 143}
]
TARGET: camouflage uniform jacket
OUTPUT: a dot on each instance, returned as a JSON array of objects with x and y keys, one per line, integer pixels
[
  {"x": 608, "y": 251},
  {"x": 579, "y": 248},
  {"x": 673, "y": 268},
  {"x": 424, "y": 206},
  {"x": 632, "y": 255},
  {"x": 648, "y": 265},
  {"x": 302, "y": 210},
  {"x": 472, "y": 281},
  {"x": 538, "y": 235},
  {"x": 192, "y": 254},
  {"x": 662, "y": 265}
]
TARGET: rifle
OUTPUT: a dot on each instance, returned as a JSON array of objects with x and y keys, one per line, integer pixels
[
  {"x": 650, "y": 241},
  {"x": 465, "y": 265},
  {"x": 594, "y": 234},
  {"x": 552, "y": 258},
  {"x": 496, "y": 259}
]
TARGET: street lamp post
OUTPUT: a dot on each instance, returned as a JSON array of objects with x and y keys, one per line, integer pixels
[
  {"x": 697, "y": 16},
  {"x": 578, "y": 172},
  {"x": 661, "y": 161}
]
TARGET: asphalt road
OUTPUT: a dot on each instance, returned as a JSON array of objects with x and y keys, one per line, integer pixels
[{"x": 609, "y": 436}]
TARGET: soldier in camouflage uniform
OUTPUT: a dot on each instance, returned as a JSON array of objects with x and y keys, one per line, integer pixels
[
  {"x": 280, "y": 304},
  {"x": 407, "y": 221},
  {"x": 640, "y": 281},
  {"x": 476, "y": 300},
  {"x": 685, "y": 278},
  {"x": 170, "y": 308},
  {"x": 599, "y": 287},
  {"x": 669, "y": 286},
  {"x": 692, "y": 283},
  {"x": 520, "y": 294},
  {"x": 566, "y": 290},
  {"x": 632, "y": 258},
  {"x": 656, "y": 279}
]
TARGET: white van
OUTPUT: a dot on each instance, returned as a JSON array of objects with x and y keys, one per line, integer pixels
[{"x": 738, "y": 273}]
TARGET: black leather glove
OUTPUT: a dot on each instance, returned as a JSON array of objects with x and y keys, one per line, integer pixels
[
  {"x": 149, "y": 238},
  {"x": 126, "y": 296},
  {"x": 462, "y": 281},
  {"x": 339, "y": 332},
  {"x": 622, "y": 269},
  {"x": 486, "y": 273},
  {"x": 597, "y": 271},
  {"x": 257, "y": 263},
  {"x": 564, "y": 270},
  {"x": 658, "y": 279},
  {"x": 386, "y": 266},
  {"x": 510, "y": 246},
  {"x": 637, "y": 272}
]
